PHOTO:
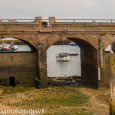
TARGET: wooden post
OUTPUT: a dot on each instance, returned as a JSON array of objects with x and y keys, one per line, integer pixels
[{"x": 112, "y": 85}]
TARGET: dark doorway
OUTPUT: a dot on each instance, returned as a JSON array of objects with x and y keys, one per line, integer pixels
[{"x": 12, "y": 81}]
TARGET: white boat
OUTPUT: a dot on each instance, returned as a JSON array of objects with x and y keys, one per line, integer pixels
[
  {"x": 63, "y": 57},
  {"x": 14, "y": 47},
  {"x": 5, "y": 47}
]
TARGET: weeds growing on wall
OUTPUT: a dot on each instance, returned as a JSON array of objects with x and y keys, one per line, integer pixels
[{"x": 37, "y": 83}]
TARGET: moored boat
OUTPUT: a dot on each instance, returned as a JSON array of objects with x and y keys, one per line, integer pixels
[
  {"x": 63, "y": 57},
  {"x": 72, "y": 53},
  {"x": 5, "y": 47},
  {"x": 14, "y": 47},
  {"x": 73, "y": 44}
]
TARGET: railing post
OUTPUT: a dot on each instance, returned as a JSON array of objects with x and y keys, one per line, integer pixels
[
  {"x": 112, "y": 85},
  {"x": 111, "y": 20},
  {"x": 39, "y": 21},
  {"x": 51, "y": 20}
]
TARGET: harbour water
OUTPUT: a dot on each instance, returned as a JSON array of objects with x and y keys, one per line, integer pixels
[
  {"x": 63, "y": 69},
  {"x": 23, "y": 48}
]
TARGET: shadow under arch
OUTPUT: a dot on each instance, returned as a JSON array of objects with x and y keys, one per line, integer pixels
[
  {"x": 108, "y": 51},
  {"x": 81, "y": 42},
  {"x": 89, "y": 67},
  {"x": 77, "y": 39}
]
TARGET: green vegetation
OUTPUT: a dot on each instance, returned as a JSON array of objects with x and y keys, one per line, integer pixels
[
  {"x": 43, "y": 80},
  {"x": 43, "y": 72},
  {"x": 17, "y": 82},
  {"x": 3, "y": 82},
  {"x": 60, "y": 35},
  {"x": 102, "y": 34},
  {"x": 9, "y": 90},
  {"x": 62, "y": 96},
  {"x": 37, "y": 83}
]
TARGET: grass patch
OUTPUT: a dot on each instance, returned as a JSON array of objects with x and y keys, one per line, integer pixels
[
  {"x": 66, "y": 96},
  {"x": 8, "y": 90}
]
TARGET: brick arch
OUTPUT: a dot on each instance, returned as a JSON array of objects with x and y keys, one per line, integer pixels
[
  {"x": 107, "y": 40},
  {"x": 25, "y": 39},
  {"x": 23, "y": 66},
  {"x": 79, "y": 40},
  {"x": 88, "y": 54}
]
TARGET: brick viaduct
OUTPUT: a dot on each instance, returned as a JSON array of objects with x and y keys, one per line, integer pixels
[{"x": 92, "y": 38}]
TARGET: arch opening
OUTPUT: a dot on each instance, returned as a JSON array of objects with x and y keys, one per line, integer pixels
[
  {"x": 15, "y": 45},
  {"x": 87, "y": 60},
  {"x": 21, "y": 63}
]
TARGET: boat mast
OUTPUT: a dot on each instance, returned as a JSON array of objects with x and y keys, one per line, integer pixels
[{"x": 62, "y": 45}]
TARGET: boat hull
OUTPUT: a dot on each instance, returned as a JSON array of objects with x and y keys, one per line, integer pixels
[
  {"x": 73, "y": 54},
  {"x": 62, "y": 59},
  {"x": 73, "y": 44}
]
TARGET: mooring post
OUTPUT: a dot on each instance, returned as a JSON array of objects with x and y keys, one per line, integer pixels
[{"x": 112, "y": 85}]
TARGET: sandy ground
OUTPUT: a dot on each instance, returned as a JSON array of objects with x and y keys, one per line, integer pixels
[{"x": 98, "y": 103}]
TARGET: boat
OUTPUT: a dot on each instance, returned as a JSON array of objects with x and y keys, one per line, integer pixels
[
  {"x": 8, "y": 47},
  {"x": 73, "y": 44},
  {"x": 5, "y": 47},
  {"x": 63, "y": 57},
  {"x": 73, "y": 51},
  {"x": 14, "y": 47}
]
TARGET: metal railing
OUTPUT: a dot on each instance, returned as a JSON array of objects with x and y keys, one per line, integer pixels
[
  {"x": 17, "y": 20},
  {"x": 85, "y": 20},
  {"x": 60, "y": 20}
]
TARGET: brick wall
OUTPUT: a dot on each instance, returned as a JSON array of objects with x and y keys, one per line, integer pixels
[{"x": 22, "y": 66}]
